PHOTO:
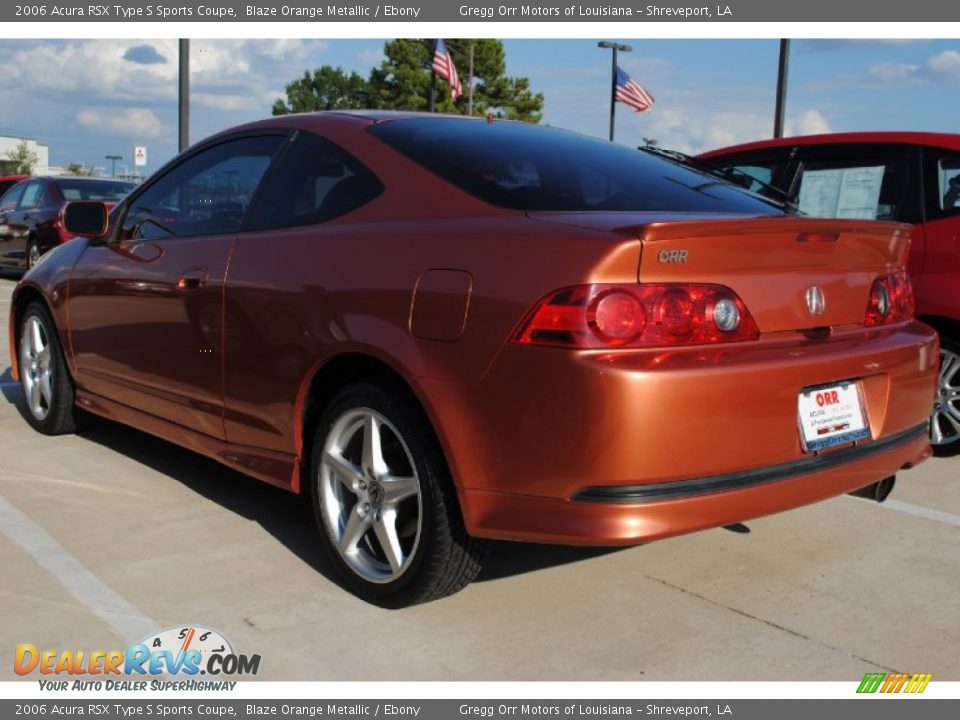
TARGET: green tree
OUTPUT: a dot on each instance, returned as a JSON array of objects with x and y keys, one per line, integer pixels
[
  {"x": 76, "y": 168},
  {"x": 402, "y": 82},
  {"x": 22, "y": 158},
  {"x": 328, "y": 88}
]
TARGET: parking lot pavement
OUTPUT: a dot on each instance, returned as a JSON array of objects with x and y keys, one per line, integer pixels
[{"x": 114, "y": 532}]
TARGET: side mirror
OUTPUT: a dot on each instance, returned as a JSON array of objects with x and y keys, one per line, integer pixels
[{"x": 86, "y": 218}]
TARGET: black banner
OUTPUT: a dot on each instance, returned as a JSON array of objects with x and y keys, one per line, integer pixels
[
  {"x": 132, "y": 11},
  {"x": 873, "y": 708}
]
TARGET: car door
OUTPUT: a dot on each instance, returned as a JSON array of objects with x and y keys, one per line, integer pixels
[
  {"x": 937, "y": 289},
  {"x": 8, "y": 208},
  {"x": 20, "y": 222},
  {"x": 277, "y": 307},
  {"x": 146, "y": 307}
]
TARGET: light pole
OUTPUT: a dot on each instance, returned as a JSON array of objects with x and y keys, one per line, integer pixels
[
  {"x": 113, "y": 163},
  {"x": 613, "y": 77},
  {"x": 184, "y": 95},
  {"x": 782, "y": 70}
]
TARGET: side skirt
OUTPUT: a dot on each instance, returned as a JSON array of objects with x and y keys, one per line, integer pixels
[{"x": 273, "y": 467}]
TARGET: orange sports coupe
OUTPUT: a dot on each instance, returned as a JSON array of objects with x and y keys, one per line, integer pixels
[{"x": 448, "y": 329}]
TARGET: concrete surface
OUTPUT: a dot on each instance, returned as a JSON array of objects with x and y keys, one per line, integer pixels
[{"x": 117, "y": 529}]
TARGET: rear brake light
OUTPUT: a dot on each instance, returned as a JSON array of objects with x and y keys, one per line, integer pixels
[
  {"x": 636, "y": 316},
  {"x": 891, "y": 299}
]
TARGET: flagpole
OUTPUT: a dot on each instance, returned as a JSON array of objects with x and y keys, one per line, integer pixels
[
  {"x": 432, "y": 103},
  {"x": 613, "y": 79},
  {"x": 470, "y": 83}
]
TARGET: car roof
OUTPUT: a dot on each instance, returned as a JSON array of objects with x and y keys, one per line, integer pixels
[
  {"x": 324, "y": 118},
  {"x": 944, "y": 140}
]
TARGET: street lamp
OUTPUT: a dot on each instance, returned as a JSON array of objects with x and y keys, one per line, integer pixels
[
  {"x": 113, "y": 163},
  {"x": 613, "y": 76}
]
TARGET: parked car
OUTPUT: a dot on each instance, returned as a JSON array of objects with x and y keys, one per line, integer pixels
[
  {"x": 30, "y": 222},
  {"x": 905, "y": 176},
  {"x": 449, "y": 329},
  {"x": 8, "y": 181}
]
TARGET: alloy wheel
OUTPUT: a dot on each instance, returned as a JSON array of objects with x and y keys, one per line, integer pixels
[
  {"x": 36, "y": 367},
  {"x": 945, "y": 421},
  {"x": 370, "y": 495},
  {"x": 33, "y": 255}
]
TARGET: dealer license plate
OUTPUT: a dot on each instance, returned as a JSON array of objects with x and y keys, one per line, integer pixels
[{"x": 831, "y": 415}]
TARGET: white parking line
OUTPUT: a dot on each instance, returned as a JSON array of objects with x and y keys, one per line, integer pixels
[
  {"x": 126, "y": 621},
  {"x": 918, "y": 510}
]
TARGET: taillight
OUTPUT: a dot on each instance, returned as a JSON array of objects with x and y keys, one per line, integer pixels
[
  {"x": 635, "y": 316},
  {"x": 891, "y": 299}
]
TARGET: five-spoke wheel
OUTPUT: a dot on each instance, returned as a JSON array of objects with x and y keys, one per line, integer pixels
[
  {"x": 47, "y": 386},
  {"x": 370, "y": 495},
  {"x": 384, "y": 501},
  {"x": 945, "y": 420},
  {"x": 36, "y": 374}
]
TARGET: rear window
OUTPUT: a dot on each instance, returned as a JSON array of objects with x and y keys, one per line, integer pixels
[
  {"x": 529, "y": 167},
  {"x": 103, "y": 190}
]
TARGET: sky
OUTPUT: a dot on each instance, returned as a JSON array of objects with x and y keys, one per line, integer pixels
[{"x": 86, "y": 99}]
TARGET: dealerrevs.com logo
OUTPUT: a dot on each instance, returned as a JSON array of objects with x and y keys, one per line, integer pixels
[
  {"x": 190, "y": 651},
  {"x": 894, "y": 682}
]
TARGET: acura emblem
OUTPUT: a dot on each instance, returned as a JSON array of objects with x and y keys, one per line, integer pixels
[{"x": 816, "y": 302}]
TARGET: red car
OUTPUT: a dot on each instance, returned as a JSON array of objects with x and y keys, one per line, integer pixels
[
  {"x": 905, "y": 176},
  {"x": 446, "y": 329},
  {"x": 8, "y": 181},
  {"x": 30, "y": 222}
]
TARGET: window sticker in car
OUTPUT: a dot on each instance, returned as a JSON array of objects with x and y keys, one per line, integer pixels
[{"x": 842, "y": 192}]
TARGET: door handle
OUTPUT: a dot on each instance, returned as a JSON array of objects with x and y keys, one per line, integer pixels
[{"x": 192, "y": 278}]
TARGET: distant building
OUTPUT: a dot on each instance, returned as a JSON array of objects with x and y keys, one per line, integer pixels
[{"x": 9, "y": 144}]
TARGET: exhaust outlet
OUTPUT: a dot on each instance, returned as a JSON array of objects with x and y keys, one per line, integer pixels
[{"x": 878, "y": 491}]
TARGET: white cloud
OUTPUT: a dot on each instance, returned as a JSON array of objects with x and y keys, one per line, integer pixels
[
  {"x": 946, "y": 63},
  {"x": 131, "y": 122},
  {"x": 809, "y": 122},
  {"x": 94, "y": 68},
  {"x": 894, "y": 72},
  {"x": 942, "y": 67}
]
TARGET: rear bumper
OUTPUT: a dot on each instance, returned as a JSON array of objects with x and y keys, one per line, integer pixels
[
  {"x": 628, "y": 515},
  {"x": 619, "y": 447}
]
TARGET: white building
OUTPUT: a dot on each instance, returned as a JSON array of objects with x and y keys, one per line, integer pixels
[{"x": 8, "y": 144}]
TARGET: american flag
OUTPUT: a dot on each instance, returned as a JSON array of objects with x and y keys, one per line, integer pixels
[
  {"x": 630, "y": 93},
  {"x": 444, "y": 67}
]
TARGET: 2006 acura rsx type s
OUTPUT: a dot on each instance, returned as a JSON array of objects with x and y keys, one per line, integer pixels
[{"x": 450, "y": 329}]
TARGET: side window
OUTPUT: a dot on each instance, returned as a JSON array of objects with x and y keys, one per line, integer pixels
[
  {"x": 314, "y": 181},
  {"x": 208, "y": 194},
  {"x": 870, "y": 183},
  {"x": 948, "y": 183},
  {"x": 753, "y": 169},
  {"x": 9, "y": 201},
  {"x": 31, "y": 196},
  {"x": 763, "y": 173}
]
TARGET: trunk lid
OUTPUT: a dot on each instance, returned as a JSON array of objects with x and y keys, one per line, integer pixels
[{"x": 772, "y": 263}]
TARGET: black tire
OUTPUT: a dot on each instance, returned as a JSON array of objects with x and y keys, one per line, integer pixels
[
  {"x": 444, "y": 558},
  {"x": 33, "y": 248},
  {"x": 60, "y": 415},
  {"x": 946, "y": 411}
]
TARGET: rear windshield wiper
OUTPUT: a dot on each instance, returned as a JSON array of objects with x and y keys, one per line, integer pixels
[{"x": 730, "y": 174}]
